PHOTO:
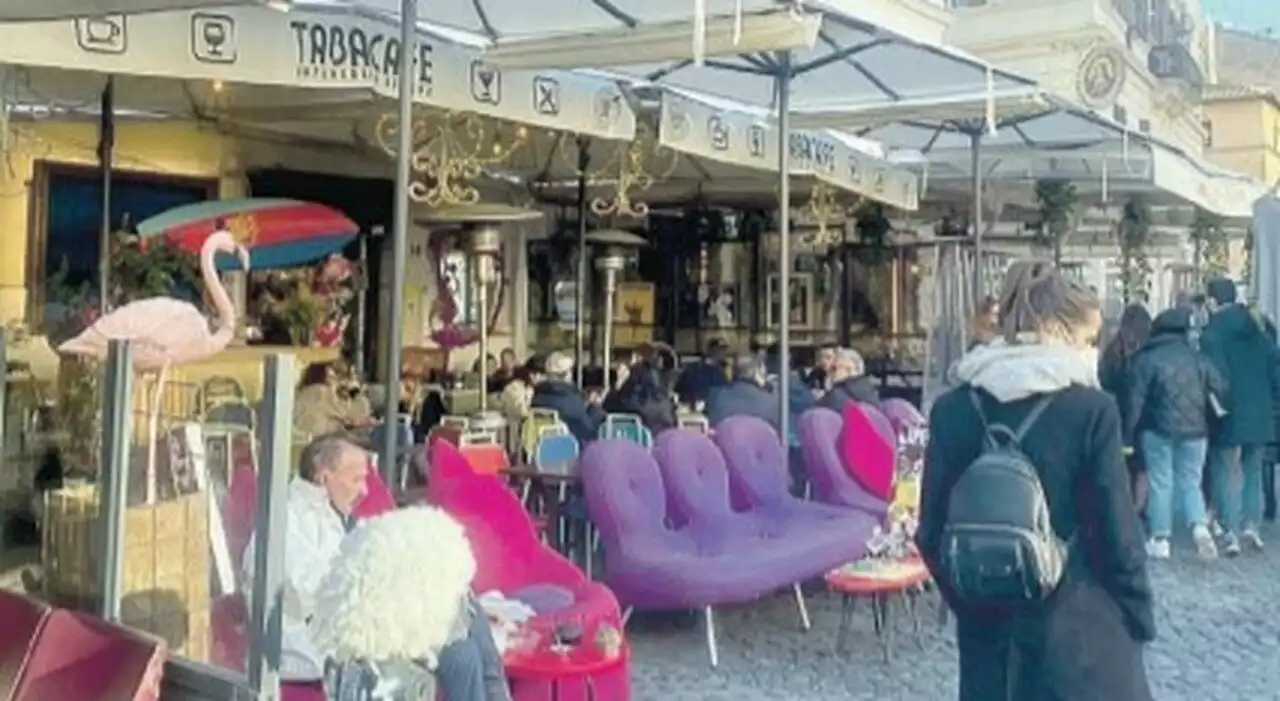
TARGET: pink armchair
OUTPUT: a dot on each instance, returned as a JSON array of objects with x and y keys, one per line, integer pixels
[{"x": 512, "y": 560}]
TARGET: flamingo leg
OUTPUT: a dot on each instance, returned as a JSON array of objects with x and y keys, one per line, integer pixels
[{"x": 153, "y": 433}]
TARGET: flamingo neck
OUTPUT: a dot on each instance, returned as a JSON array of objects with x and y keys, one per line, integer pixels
[{"x": 213, "y": 282}]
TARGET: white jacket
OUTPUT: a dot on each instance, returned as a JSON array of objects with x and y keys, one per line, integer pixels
[{"x": 313, "y": 536}]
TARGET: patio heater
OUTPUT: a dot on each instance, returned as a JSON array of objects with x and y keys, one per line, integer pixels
[
  {"x": 482, "y": 224},
  {"x": 615, "y": 246}
]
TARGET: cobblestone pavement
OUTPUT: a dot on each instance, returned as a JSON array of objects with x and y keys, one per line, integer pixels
[{"x": 1219, "y": 640}]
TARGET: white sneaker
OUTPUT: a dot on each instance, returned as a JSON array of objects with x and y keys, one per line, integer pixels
[
  {"x": 1250, "y": 539},
  {"x": 1216, "y": 529},
  {"x": 1205, "y": 547},
  {"x": 1158, "y": 548},
  {"x": 1230, "y": 545}
]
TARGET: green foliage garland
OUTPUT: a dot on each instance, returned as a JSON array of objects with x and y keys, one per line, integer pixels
[
  {"x": 1056, "y": 200},
  {"x": 1135, "y": 234},
  {"x": 1211, "y": 245}
]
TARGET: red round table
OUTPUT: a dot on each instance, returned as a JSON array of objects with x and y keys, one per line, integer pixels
[
  {"x": 879, "y": 581},
  {"x": 541, "y": 664}
]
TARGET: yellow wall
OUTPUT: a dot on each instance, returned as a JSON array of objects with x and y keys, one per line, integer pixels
[
  {"x": 1245, "y": 136},
  {"x": 177, "y": 148}
]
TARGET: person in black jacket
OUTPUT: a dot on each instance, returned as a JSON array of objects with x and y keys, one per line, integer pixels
[
  {"x": 556, "y": 392},
  {"x": 1235, "y": 341},
  {"x": 1113, "y": 374},
  {"x": 849, "y": 382},
  {"x": 1085, "y": 643},
  {"x": 1168, "y": 408},
  {"x": 642, "y": 394}
]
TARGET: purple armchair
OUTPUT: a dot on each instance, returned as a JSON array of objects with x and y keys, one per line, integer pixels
[
  {"x": 758, "y": 481},
  {"x": 718, "y": 557},
  {"x": 902, "y": 414},
  {"x": 819, "y": 429}
]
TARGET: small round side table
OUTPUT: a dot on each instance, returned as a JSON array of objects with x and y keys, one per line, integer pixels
[
  {"x": 542, "y": 664},
  {"x": 880, "y": 581}
]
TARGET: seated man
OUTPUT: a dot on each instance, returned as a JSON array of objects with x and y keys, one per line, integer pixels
[
  {"x": 557, "y": 392},
  {"x": 747, "y": 394},
  {"x": 329, "y": 485}
]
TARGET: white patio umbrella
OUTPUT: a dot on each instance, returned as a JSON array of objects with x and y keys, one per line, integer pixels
[
  {"x": 780, "y": 55},
  {"x": 87, "y": 10},
  {"x": 1038, "y": 135}
]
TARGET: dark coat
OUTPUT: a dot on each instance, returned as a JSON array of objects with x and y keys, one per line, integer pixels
[
  {"x": 643, "y": 396},
  {"x": 1169, "y": 389},
  {"x": 1086, "y": 642},
  {"x": 1113, "y": 375},
  {"x": 1237, "y": 345},
  {"x": 743, "y": 397},
  {"x": 698, "y": 379},
  {"x": 583, "y": 420},
  {"x": 854, "y": 389}
]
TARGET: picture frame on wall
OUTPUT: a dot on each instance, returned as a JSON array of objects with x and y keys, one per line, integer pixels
[
  {"x": 800, "y": 306},
  {"x": 718, "y": 306}
]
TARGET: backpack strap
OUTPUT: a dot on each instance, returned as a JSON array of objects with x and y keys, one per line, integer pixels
[{"x": 997, "y": 431}]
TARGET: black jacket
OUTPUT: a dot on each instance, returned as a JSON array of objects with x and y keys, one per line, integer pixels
[
  {"x": 1085, "y": 643},
  {"x": 854, "y": 389},
  {"x": 582, "y": 420},
  {"x": 1169, "y": 389},
  {"x": 643, "y": 396},
  {"x": 1238, "y": 346}
]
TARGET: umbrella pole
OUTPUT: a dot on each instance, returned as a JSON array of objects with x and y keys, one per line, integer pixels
[
  {"x": 362, "y": 296},
  {"x": 580, "y": 291},
  {"x": 399, "y": 240},
  {"x": 975, "y": 155},
  {"x": 784, "y": 245},
  {"x": 106, "y": 154}
]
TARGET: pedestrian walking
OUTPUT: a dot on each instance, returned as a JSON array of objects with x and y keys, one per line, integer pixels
[
  {"x": 1168, "y": 414},
  {"x": 1058, "y": 606},
  {"x": 1235, "y": 341},
  {"x": 1114, "y": 371}
]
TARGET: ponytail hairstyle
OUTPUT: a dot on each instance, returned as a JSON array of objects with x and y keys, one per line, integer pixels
[{"x": 1041, "y": 305}]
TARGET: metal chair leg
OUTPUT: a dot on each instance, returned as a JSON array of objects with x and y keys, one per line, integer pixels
[
  {"x": 626, "y": 615},
  {"x": 709, "y": 618},
  {"x": 804, "y": 611}
]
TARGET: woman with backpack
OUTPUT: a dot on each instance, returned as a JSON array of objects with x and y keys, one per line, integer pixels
[
  {"x": 1027, "y": 521},
  {"x": 1170, "y": 391}
]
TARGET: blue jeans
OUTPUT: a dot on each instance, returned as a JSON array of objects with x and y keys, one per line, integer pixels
[
  {"x": 471, "y": 668},
  {"x": 1173, "y": 478},
  {"x": 1239, "y": 501}
]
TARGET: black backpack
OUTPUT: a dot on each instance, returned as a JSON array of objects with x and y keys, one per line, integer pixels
[{"x": 998, "y": 547}]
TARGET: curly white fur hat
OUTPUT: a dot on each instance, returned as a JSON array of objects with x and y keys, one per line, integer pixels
[{"x": 396, "y": 588}]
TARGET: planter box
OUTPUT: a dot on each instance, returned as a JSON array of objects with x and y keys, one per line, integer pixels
[{"x": 166, "y": 564}]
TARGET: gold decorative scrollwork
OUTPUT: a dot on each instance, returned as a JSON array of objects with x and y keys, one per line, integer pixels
[
  {"x": 823, "y": 209},
  {"x": 633, "y": 168},
  {"x": 450, "y": 152}
]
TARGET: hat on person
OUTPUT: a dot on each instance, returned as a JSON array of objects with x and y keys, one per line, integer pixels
[
  {"x": 559, "y": 363},
  {"x": 1222, "y": 290}
]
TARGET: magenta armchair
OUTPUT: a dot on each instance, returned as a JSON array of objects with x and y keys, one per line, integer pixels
[
  {"x": 819, "y": 430},
  {"x": 512, "y": 560}
]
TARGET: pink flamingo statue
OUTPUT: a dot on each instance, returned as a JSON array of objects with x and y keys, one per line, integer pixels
[{"x": 165, "y": 331}]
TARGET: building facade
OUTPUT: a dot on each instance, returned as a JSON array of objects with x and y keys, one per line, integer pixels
[{"x": 1139, "y": 61}]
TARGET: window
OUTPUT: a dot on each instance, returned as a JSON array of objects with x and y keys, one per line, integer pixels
[
  {"x": 1208, "y": 132},
  {"x": 958, "y": 4},
  {"x": 1144, "y": 126},
  {"x": 66, "y": 214},
  {"x": 1120, "y": 114}
]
